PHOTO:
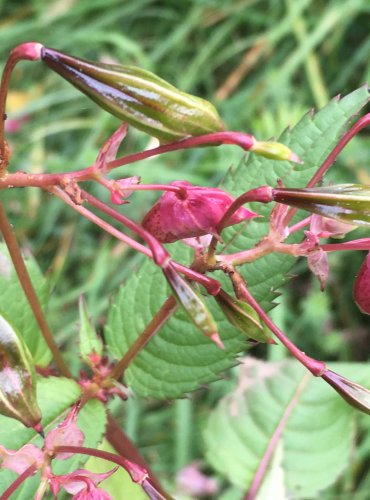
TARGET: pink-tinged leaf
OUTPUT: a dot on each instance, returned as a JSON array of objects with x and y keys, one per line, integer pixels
[
  {"x": 67, "y": 433},
  {"x": 20, "y": 460},
  {"x": 196, "y": 212},
  {"x": 109, "y": 149},
  {"x": 318, "y": 263},
  {"x": 329, "y": 228},
  {"x": 361, "y": 289}
]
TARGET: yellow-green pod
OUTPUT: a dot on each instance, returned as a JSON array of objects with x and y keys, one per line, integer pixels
[{"x": 138, "y": 97}]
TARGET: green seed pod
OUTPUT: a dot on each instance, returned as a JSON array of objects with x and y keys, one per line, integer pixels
[
  {"x": 193, "y": 305},
  {"x": 17, "y": 379},
  {"x": 244, "y": 318},
  {"x": 138, "y": 97},
  {"x": 349, "y": 203}
]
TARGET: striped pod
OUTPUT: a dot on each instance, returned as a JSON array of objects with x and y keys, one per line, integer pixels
[
  {"x": 138, "y": 97},
  {"x": 17, "y": 379}
]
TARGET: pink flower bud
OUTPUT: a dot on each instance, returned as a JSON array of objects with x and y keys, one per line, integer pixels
[
  {"x": 361, "y": 289},
  {"x": 197, "y": 212}
]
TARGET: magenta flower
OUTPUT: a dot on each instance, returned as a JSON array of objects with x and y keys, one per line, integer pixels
[{"x": 195, "y": 212}]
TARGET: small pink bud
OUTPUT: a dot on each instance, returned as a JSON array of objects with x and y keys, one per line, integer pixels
[
  {"x": 361, "y": 289},
  {"x": 176, "y": 216}
]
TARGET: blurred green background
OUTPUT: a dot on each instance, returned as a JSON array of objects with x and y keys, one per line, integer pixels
[{"x": 263, "y": 64}]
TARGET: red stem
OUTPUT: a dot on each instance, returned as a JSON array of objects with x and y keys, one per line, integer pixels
[
  {"x": 124, "y": 446},
  {"x": 20, "y": 479},
  {"x": 361, "y": 244},
  {"x": 26, "y": 51},
  {"x": 137, "y": 476},
  {"x": 29, "y": 291},
  {"x": 357, "y": 127},
  {"x": 158, "y": 320},
  {"x": 211, "y": 285},
  {"x": 317, "y": 368}
]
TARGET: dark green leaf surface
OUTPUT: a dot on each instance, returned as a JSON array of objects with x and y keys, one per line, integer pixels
[
  {"x": 318, "y": 437},
  {"x": 179, "y": 359},
  {"x": 14, "y": 305}
]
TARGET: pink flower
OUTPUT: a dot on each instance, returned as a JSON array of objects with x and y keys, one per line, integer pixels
[{"x": 197, "y": 212}]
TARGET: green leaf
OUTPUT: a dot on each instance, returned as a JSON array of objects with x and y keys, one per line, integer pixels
[
  {"x": 55, "y": 397},
  {"x": 311, "y": 139},
  {"x": 14, "y": 305},
  {"x": 89, "y": 341},
  {"x": 178, "y": 360},
  {"x": 120, "y": 481},
  {"x": 317, "y": 437}
]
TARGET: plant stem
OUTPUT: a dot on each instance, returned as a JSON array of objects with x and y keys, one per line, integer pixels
[
  {"x": 25, "y": 281},
  {"x": 20, "y": 479},
  {"x": 137, "y": 473},
  {"x": 26, "y": 51},
  {"x": 245, "y": 141},
  {"x": 211, "y": 285},
  {"x": 164, "y": 313},
  {"x": 361, "y": 244},
  {"x": 262, "y": 194},
  {"x": 126, "y": 448},
  {"x": 317, "y": 368},
  {"x": 357, "y": 127}
]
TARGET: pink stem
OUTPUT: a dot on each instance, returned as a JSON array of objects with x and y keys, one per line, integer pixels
[
  {"x": 30, "y": 51},
  {"x": 361, "y": 244},
  {"x": 357, "y": 127},
  {"x": 261, "y": 471},
  {"x": 299, "y": 225},
  {"x": 211, "y": 285},
  {"x": 317, "y": 368},
  {"x": 137, "y": 473},
  {"x": 20, "y": 479},
  {"x": 245, "y": 141}
]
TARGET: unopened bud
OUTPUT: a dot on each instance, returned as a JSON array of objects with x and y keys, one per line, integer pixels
[
  {"x": 138, "y": 97},
  {"x": 193, "y": 305},
  {"x": 195, "y": 212},
  {"x": 244, "y": 317},
  {"x": 275, "y": 151},
  {"x": 17, "y": 379},
  {"x": 361, "y": 288},
  {"x": 349, "y": 203},
  {"x": 355, "y": 395}
]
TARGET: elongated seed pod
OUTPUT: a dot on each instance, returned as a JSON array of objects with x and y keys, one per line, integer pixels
[
  {"x": 138, "y": 97},
  {"x": 17, "y": 378}
]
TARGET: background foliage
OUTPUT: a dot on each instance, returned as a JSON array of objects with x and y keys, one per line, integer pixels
[{"x": 263, "y": 63}]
